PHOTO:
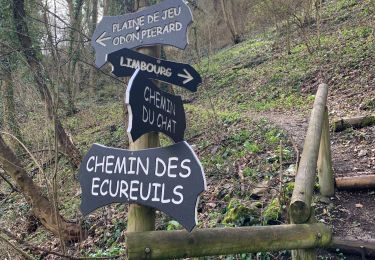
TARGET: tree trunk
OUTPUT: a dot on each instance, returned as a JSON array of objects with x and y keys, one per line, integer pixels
[
  {"x": 41, "y": 206},
  {"x": 94, "y": 20},
  {"x": 231, "y": 27},
  {"x": 75, "y": 9},
  {"x": 106, "y": 7},
  {"x": 40, "y": 79},
  {"x": 9, "y": 113}
]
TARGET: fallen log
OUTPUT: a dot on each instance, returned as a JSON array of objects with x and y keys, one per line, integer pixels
[
  {"x": 364, "y": 248},
  {"x": 354, "y": 122},
  {"x": 355, "y": 183}
]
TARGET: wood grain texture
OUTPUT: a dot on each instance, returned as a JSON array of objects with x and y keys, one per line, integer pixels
[
  {"x": 224, "y": 241},
  {"x": 300, "y": 205},
  {"x": 325, "y": 170}
]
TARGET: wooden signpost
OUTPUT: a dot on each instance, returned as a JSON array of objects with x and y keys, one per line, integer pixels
[
  {"x": 169, "y": 178},
  {"x": 153, "y": 110},
  {"x": 125, "y": 62},
  {"x": 165, "y": 24}
]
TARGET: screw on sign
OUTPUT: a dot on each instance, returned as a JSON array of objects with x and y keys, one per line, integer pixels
[
  {"x": 125, "y": 62},
  {"x": 153, "y": 110},
  {"x": 165, "y": 23},
  {"x": 169, "y": 179}
]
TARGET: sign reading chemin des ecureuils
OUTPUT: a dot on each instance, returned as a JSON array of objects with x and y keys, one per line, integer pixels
[
  {"x": 165, "y": 23},
  {"x": 153, "y": 110},
  {"x": 169, "y": 179},
  {"x": 125, "y": 62}
]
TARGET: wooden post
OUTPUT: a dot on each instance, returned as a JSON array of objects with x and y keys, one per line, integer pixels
[
  {"x": 224, "y": 241},
  {"x": 325, "y": 171},
  {"x": 300, "y": 206},
  {"x": 141, "y": 218},
  {"x": 306, "y": 254}
]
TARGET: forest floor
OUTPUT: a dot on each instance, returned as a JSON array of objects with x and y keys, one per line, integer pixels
[{"x": 247, "y": 123}]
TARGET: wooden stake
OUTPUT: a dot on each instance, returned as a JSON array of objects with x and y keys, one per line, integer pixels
[
  {"x": 306, "y": 254},
  {"x": 141, "y": 218},
  {"x": 304, "y": 184},
  {"x": 225, "y": 241},
  {"x": 325, "y": 171}
]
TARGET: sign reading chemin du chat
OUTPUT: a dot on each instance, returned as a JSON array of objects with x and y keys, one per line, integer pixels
[
  {"x": 152, "y": 110},
  {"x": 169, "y": 179},
  {"x": 165, "y": 23}
]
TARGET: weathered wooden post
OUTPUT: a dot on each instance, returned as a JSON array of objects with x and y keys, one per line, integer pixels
[
  {"x": 325, "y": 171},
  {"x": 300, "y": 206},
  {"x": 141, "y": 218}
]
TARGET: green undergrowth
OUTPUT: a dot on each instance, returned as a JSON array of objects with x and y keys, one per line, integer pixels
[{"x": 259, "y": 75}]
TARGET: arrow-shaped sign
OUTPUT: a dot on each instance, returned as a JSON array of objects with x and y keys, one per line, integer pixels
[
  {"x": 126, "y": 61},
  {"x": 169, "y": 179},
  {"x": 165, "y": 23}
]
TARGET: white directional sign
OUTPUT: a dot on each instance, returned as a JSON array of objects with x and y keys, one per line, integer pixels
[{"x": 165, "y": 23}]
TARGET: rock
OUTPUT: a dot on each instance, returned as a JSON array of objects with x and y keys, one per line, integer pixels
[
  {"x": 240, "y": 214},
  {"x": 260, "y": 190},
  {"x": 272, "y": 213},
  {"x": 324, "y": 199},
  {"x": 359, "y": 205},
  {"x": 362, "y": 153},
  {"x": 211, "y": 205}
]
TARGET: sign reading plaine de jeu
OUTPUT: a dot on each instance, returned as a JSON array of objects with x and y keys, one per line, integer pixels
[
  {"x": 169, "y": 179},
  {"x": 125, "y": 62},
  {"x": 152, "y": 110},
  {"x": 165, "y": 23}
]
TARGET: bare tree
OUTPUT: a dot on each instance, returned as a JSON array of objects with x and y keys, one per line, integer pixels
[
  {"x": 42, "y": 208},
  {"x": 41, "y": 79}
]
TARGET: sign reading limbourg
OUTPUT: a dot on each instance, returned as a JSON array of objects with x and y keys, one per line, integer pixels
[
  {"x": 125, "y": 62},
  {"x": 153, "y": 110},
  {"x": 165, "y": 23},
  {"x": 169, "y": 179}
]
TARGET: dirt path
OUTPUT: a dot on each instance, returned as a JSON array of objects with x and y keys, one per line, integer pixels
[{"x": 351, "y": 214}]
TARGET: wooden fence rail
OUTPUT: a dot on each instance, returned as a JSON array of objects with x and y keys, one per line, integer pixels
[
  {"x": 300, "y": 206},
  {"x": 225, "y": 241}
]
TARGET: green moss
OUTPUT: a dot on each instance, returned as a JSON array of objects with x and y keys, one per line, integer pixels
[
  {"x": 239, "y": 214},
  {"x": 289, "y": 189},
  {"x": 272, "y": 212}
]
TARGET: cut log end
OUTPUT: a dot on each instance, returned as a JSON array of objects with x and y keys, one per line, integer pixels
[{"x": 299, "y": 212}]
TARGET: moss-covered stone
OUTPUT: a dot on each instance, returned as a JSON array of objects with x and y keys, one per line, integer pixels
[
  {"x": 272, "y": 213},
  {"x": 239, "y": 214}
]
